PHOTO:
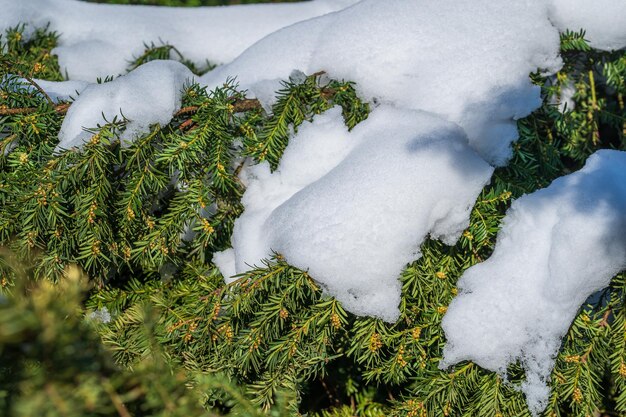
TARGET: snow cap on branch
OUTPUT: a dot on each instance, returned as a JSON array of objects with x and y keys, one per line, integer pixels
[
  {"x": 556, "y": 247},
  {"x": 149, "y": 95}
]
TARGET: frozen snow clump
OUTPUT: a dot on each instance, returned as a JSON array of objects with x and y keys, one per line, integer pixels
[
  {"x": 98, "y": 40},
  {"x": 354, "y": 207},
  {"x": 149, "y": 95},
  {"x": 556, "y": 247},
  {"x": 102, "y": 316}
]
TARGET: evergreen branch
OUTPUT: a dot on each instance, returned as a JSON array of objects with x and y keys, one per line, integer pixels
[
  {"x": 239, "y": 105},
  {"x": 38, "y": 87}
]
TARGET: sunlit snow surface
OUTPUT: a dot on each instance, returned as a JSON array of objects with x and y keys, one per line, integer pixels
[
  {"x": 467, "y": 61},
  {"x": 99, "y": 40},
  {"x": 556, "y": 247},
  {"x": 149, "y": 95},
  {"x": 447, "y": 79}
]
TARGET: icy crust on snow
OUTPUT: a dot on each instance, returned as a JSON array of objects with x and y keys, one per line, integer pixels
[
  {"x": 556, "y": 247},
  {"x": 149, "y": 95},
  {"x": 604, "y": 21},
  {"x": 98, "y": 40},
  {"x": 467, "y": 61},
  {"x": 352, "y": 208}
]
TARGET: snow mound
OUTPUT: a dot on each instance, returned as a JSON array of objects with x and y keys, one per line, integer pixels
[
  {"x": 354, "y": 214},
  {"x": 556, "y": 247},
  {"x": 149, "y": 95},
  {"x": 98, "y": 40},
  {"x": 467, "y": 61}
]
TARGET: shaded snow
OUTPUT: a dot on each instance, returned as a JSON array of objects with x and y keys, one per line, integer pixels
[
  {"x": 556, "y": 247},
  {"x": 64, "y": 90},
  {"x": 101, "y": 316},
  {"x": 149, "y": 95},
  {"x": 98, "y": 40}
]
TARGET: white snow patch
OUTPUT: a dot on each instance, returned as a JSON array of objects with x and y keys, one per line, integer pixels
[
  {"x": 604, "y": 21},
  {"x": 353, "y": 207},
  {"x": 98, "y": 40},
  {"x": 318, "y": 147},
  {"x": 225, "y": 262},
  {"x": 565, "y": 99},
  {"x": 102, "y": 316},
  {"x": 467, "y": 61},
  {"x": 149, "y": 95},
  {"x": 556, "y": 247}
]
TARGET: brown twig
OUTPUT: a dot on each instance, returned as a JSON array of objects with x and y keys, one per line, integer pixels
[
  {"x": 37, "y": 86},
  {"x": 240, "y": 105},
  {"x": 327, "y": 93},
  {"x": 246, "y": 104},
  {"x": 185, "y": 110},
  {"x": 186, "y": 124},
  {"x": 59, "y": 108},
  {"x": 605, "y": 318}
]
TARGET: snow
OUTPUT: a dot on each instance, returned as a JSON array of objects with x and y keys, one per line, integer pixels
[
  {"x": 98, "y": 40},
  {"x": 474, "y": 73},
  {"x": 149, "y": 95},
  {"x": 564, "y": 100},
  {"x": 62, "y": 91},
  {"x": 355, "y": 216},
  {"x": 556, "y": 247},
  {"x": 100, "y": 316},
  {"x": 604, "y": 21}
]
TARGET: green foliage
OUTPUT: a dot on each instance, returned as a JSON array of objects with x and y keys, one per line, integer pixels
[
  {"x": 144, "y": 220},
  {"x": 54, "y": 364},
  {"x": 30, "y": 56},
  {"x": 166, "y": 51}
]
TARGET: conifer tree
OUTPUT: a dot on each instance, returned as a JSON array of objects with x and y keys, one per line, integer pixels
[{"x": 154, "y": 330}]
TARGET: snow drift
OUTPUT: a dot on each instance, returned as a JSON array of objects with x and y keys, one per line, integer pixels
[{"x": 99, "y": 40}]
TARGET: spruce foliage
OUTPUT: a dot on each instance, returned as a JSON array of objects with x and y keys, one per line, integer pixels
[{"x": 143, "y": 221}]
